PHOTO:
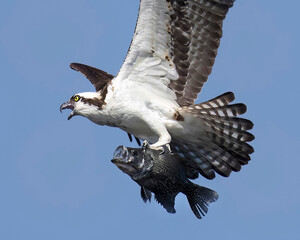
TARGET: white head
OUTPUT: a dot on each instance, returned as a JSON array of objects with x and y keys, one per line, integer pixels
[{"x": 84, "y": 104}]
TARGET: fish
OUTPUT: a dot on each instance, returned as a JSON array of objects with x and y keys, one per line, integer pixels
[{"x": 165, "y": 174}]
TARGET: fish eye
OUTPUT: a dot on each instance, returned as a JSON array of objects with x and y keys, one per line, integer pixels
[
  {"x": 133, "y": 152},
  {"x": 76, "y": 98}
]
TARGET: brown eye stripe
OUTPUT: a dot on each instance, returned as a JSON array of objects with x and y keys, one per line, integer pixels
[{"x": 94, "y": 101}]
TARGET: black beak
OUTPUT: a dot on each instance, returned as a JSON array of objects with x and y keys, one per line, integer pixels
[{"x": 67, "y": 105}]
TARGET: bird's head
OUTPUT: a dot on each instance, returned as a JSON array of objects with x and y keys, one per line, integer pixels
[{"x": 83, "y": 104}]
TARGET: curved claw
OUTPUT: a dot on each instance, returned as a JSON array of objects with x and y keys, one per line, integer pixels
[{"x": 163, "y": 149}]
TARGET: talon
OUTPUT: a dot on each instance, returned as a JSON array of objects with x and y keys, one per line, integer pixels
[
  {"x": 145, "y": 145},
  {"x": 162, "y": 151},
  {"x": 168, "y": 147},
  {"x": 165, "y": 149}
]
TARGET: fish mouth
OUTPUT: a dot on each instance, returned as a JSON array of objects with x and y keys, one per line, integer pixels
[
  {"x": 121, "y": 153},
  {"x": 122, "y": 160},
  {"x": 68, "y": 105},
  {"x": 124, "y": 166}
]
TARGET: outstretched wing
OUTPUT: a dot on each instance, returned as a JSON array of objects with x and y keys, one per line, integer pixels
[
  {"x": 96, "y": 76},
  {"x": 174, "y": 46}
]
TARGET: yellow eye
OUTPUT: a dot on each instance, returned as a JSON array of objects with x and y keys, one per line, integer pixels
[{"x": 76, "y": 98}]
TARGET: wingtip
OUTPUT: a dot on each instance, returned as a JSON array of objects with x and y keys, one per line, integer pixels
[{"x": 74, "y": 66}]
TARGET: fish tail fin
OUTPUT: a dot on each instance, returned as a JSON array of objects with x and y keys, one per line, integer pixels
[{"x": 199, "y": 198}]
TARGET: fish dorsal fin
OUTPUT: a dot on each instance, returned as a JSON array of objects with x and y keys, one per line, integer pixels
[
  {"x": 146, "y": 194},
  {"x": 96, "y": 76},
  {"x": 167, "y": 201}
]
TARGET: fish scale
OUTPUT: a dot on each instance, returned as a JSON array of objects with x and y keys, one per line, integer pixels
[{"x": 165, "y": 175}]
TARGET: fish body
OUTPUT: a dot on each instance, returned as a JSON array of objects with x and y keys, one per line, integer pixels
[{"x": 165, "y": 175}]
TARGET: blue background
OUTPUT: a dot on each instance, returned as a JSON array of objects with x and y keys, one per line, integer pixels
[{"x": 56, "y": 178}]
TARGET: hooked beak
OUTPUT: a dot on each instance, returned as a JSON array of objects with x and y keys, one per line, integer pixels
[{"x": 68, "y": 105}]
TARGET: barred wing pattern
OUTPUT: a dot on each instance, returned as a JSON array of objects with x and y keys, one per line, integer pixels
[
  {"x": 170, "y": 58},
  {"x": 176, "y": 41},
  {"x": 196, "y": 32},
  {"x": 223, "y": 146}
]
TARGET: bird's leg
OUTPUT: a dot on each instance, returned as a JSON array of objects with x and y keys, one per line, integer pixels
[
  {"x": 162, "y": 149},
  {"x": 162, "y": 143},
  {"x": 159, "y": 128}
]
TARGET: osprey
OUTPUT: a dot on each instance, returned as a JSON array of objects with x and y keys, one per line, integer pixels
[{"x": 153, "y": 95}]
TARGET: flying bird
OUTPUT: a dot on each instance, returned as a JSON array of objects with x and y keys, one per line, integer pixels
[{"x": 153, "y": 96}]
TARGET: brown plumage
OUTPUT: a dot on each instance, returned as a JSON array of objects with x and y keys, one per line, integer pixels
[{"x": 196, "y": 27}]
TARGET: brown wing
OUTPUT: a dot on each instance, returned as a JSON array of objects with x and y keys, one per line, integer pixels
[
  {"x": 96, "y": 76},
  {"x": 196, "y": 27},
  {"x": 184, "y": 32}
]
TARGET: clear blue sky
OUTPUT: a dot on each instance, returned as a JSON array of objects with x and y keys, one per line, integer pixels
[{"x": 56, "y": 178}]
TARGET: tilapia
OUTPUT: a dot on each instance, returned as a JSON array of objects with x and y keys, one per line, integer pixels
[{"x": 164, "y": 174}]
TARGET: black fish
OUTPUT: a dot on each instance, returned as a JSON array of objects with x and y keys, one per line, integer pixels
[{"x": 165, "y": 175}]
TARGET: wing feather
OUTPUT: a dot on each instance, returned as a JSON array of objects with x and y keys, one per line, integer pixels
[
  {"x": 175, "y": 44},
  {"x": 200, "y": 24},
  {"x": 96, "y": 76}
]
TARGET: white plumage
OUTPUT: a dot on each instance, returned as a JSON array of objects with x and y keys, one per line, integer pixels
[{"x": 152, "y": 97}]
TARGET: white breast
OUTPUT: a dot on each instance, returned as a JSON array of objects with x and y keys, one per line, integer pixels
[{"x": 133, "y": 110}]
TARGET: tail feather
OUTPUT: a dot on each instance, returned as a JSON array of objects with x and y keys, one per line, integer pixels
[
  {"x": 240, "y": 124},
  {"x": 226, "y": 132},
  {"x": 222, "y": 162},
  {"x": 225, "y": 159},
  {"x": 238, "y": 153},
  {"x": 218, "y": 101},
  {"x": 201, "y": 164},
  {"x": 243, "y": 159},
  {"x": 199, "y": 199},
  {"x": 221, "y": 143},
  {"x": 208, "y": 157},
  {"x": 235, "y": 145},
  {"x": 218, "y": 112},
  {"x": 226, "y": 111}
]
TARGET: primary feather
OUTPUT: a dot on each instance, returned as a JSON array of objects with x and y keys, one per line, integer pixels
[{"x": 153, "y": 95}]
